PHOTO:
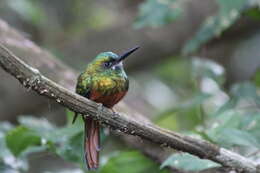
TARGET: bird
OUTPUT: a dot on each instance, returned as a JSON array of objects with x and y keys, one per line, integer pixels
[{"x": 104, "y": 81}]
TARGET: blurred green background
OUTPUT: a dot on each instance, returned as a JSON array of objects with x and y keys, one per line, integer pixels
[{"x": 197, "y": 72}]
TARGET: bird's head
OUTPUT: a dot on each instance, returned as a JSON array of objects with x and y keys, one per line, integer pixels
[{"x": 110, "y": 61}]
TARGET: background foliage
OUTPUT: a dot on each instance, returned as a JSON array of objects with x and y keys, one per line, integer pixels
[{"x": 194, "y": 99}]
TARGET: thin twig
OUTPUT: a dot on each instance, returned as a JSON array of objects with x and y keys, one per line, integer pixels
[{"x": 31, "y": 78}]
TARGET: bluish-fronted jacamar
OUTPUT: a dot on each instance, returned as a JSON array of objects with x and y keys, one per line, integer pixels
[{"x": 103, "y": 81}]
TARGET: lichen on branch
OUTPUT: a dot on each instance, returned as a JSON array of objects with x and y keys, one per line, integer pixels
[{"x": 32, "y": 79}]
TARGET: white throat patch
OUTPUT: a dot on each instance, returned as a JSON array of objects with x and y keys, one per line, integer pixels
[{"x": 117, "y": 65}]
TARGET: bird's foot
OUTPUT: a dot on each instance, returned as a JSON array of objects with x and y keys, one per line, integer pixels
[
  {"x": 113, "y": 110},
  {"x": 115, "y": 114}
]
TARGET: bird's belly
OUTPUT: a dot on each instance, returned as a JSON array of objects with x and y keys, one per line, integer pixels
[
  {"x": 108, "y": 91},
  {"x": 107, "y": 100}
]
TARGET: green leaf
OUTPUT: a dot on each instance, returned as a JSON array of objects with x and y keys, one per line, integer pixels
[
  {"x": 229, "y": 105},
  {"x": 175, "y": 71},
  {"x": 4, "y": 150},
  {"x": 230, "y": 137},
  {"x": 47, "y": 131},
  {"x": 245, "y": 91},
  {"x": 29, "y": 10},
  {"x": 253, "y": 13},
  {"x": 173, "y": 118},
  {"x": 130, "y": 162},
  {"x": 228, "y": 119},
  {"x": 8, "y": 163},
  {"x": 6, "y": 168},
  {"x": 202, "y": 68},
  {"x": 232, "y": 129},
  {"x": 193, "y": 110},
  {"x": 156, "y": 13},
  {"x": 4, "y": 127},
  {"x": 168, "y": 121},
  {"x": 37, "y": 124},
  {"x": 243, "y": 96},
  {"x": 188, "y": 162},
  {"x": 229, "y": 12},
  {"x": 252, "y": 125},
  {"x": 21, "y": 138},
  {"x": 72, "y": 149},
  {"x": 257, "y": 78},
  {"x": 64, "y": 141}
]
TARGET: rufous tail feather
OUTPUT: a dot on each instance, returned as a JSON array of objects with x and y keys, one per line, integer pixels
[{"x": 92, "y": 143}]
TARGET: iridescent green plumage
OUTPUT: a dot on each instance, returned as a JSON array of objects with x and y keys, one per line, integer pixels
[
  {"x": 103, "y": 81},
  {"x": 101, "y": 78}
]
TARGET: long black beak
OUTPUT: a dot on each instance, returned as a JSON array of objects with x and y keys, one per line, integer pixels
[{"x": 127, "y": 53}]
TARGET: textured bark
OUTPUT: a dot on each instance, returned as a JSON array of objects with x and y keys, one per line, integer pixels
[
  {"x": 31, "y": 78},
  {"x": 15, "y": 96}
]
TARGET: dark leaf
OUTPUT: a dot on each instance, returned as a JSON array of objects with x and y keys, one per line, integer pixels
[
  {"x": 156, "y": 13},
  {"x": 21, "y": 138},
  {"x": 229, "y": 12},
  {"x": 188, "y": 162},
  {"x": 130, "y": 162}
]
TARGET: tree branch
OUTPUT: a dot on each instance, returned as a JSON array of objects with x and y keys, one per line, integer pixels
[
  {"x": 13, "y": 95},
  {"x": 31, "y": 78}
]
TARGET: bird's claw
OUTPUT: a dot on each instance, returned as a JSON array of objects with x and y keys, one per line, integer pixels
[
  {"x": 75, "y": 117},
  {"x": 115, "y": 114}
]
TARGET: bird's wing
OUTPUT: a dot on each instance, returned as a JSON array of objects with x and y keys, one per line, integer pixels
[
  {"x": 83, "y": 87},
  {"x": 92, "y": 139}
]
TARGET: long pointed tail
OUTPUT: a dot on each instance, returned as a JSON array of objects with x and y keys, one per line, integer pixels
[{"x": 91, "y": 143}]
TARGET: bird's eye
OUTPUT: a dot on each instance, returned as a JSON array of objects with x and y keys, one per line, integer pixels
[{"x": 107, "y": 64}]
